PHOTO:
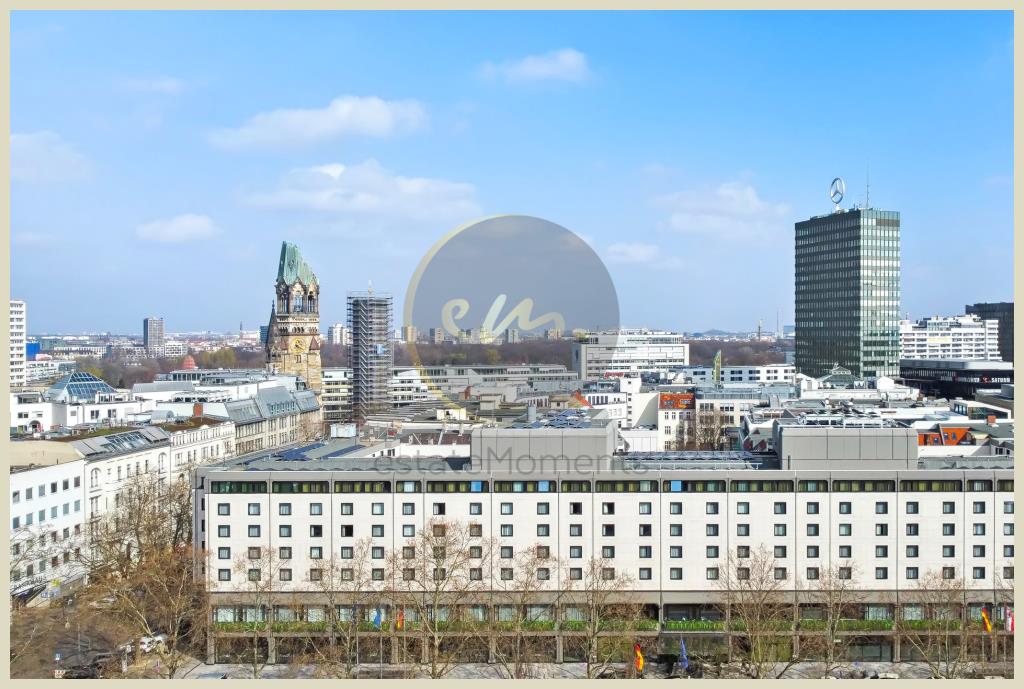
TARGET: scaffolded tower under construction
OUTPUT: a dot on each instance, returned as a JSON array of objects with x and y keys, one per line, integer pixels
[{"x": 371, "y": 355}]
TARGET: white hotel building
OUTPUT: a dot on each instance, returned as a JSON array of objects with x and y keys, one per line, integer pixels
[
  {"x": 669, "y": 522},
  {"x": 623, "y": 352},
  {"x": 956, "y": 337}
]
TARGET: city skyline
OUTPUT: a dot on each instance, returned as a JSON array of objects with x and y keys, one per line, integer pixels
[{"x": 368, "y": 139}]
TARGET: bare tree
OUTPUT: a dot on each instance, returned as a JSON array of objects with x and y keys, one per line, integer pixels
[
  {"x": 516, "y": 642},
  {"x": 837, "y": 598},
  {"x": 347, "y": 586},
  {"x": 934, "y": 624},
  {"x": 434, "y": 575},
  {"x": 255, "y": 573},
  {"x": 600, "y": 594},
  {"x": 142, "y": 566},
  {"x": 702, "y": 430},
  {"x": 754, "y": 603}
]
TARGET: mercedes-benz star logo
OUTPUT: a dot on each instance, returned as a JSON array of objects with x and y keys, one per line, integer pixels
[{"x": 836, "y": 190}]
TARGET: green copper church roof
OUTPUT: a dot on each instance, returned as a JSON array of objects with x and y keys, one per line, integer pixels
[{"x": 292, "y": 268}]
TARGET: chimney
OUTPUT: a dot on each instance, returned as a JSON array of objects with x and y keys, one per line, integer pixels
[
  {"x": 197, "y": 409},
  {"x": 531, "y": 413}
]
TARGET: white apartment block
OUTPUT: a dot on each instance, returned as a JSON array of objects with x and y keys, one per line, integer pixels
[
  {"x": 770, "y": 373},
  {"x": 59, "y": 487},
  {"x": 955, "y": 337},
  {"x": 338, "y": 334},
  {"x": 18, "y": 332},
  {"x": 624, "y": 352},
  {"x": 48, "y": 517}
]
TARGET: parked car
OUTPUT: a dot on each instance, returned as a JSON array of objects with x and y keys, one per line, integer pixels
[
  {"x": 148, "y": 644},
  {"x": 103, "y": 603}
]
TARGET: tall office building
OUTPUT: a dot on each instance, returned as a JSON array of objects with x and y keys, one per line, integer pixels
[
  {"x": 848, "y": 292},
  {"x": 293, "y": 334},
  {"x": 19, "y": 314},
  {"x": 371, "y": 355},
  {"x": 1003, "y": 312},
  {"x": 153, "y": 336}
]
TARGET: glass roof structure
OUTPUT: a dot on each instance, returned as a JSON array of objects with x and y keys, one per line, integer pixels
[{"x": 78, "y": 387}]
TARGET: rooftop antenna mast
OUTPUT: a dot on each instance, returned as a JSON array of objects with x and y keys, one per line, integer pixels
[{"x": 867, "y": 200}]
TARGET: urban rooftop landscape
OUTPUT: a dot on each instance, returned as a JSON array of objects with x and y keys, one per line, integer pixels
[{"x": 513, "y": 450}]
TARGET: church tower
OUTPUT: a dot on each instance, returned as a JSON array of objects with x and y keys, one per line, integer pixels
[{"x": 293, "y": 336}]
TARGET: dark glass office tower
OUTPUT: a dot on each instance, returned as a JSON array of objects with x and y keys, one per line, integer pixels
[{"x": 848, "y": 293}]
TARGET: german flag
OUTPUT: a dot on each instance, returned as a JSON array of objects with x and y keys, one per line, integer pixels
[
  {"x": 987, "y": 622},
  {"x": 638, "y": 658},
  {"x": 400, "y": 620}
]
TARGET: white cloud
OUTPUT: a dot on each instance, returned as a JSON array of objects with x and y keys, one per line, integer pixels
[
  {"x": 45, "y": 157},
  {"x": 733, "y": 210},
  {"x": 343, "y": 116},
  {"x": 632, "y": 253},
  {"x": 369, "y": 189},
  {"x": 165, "y": 85},
  {"x": 559, "y": 65},
  {"x": 188, "y": 227},
  {"x": 638, "y": 253}
]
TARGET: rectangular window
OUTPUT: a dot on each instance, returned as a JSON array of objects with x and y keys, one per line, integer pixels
[
  {"x": 979, "y": 551},
  {"x": 711, "y": 573},
  {"x": 949, "y": 572},
  {"x": 711, "y": 529},
  {"x": 286, "y": 575},
  {"x": 780, "y": 508},
  {"x": 223, "y": 509},
  {"x": 780, "y": 529},
  {"x": 316, "y": 509},
  {"x": 284, "y": 553},
  {"x": 223, "y": 575},
  {"x": 978, "y": 573},
  {"x": 881, "y": 529},
  {"x": 506, "y": 552},
  {"x": 742, "y": 508},
  {"x": 575, "y": 529},
  {"x": 979, "y": 508},
  {"x": 912, "y": 573},
  {"x": 645, "y": 573},
  {"x": 645, "y": 529},
  {"x": 645, "y": 508},
  {"x": 223, "y": 553},
  {"x": 677, "y": 507},
  {"x": 845, "y": 508},
  {"x": 543, "y": 530},
  {"x": 743, "y": 529},
  {"x": 948, "y": 508},
  {"x": 607, "y": 530},
  {"x": 711, "y": 508},
  {"x": 812, "y": 552},
  {"x": 438, "y": 509},
  {"x": 284, "y": 509},
  {"x": 408, "y": 508},
  {"x": 408, "y": 531},
  {"x": 780, "y": 573},
  {"x": 812, "y": 573},
  {"x": 543, "y": 508},
  {"x": 675, "y": 573},
  {"x": 675, "y": 529},
  {"x": 711, "y": 551},
  {"x": 284, "y": 531},
  {"x": 812, "y": 508},
  {"x": 912, "y": 508},
  {"x": 254, "y": 509},
  {"x": 913, "y": 550},
  {"x": 845, "y": 530},
  {"x": 949, "y": 551},
  {"x": 979, "y": 529},
  {"x": 780, "y": 551},
  {"x": 881, "y": 508},
  {"x": 949, "y": 529},
  {"x": 254, "y": 531},
  {"x": 476, "y": 508},
  {"x": 608, "y": 551},
  {"x": 812, "y": 530},
  {"x": 912, "y": 529},
  {"x": 316, "y": 531},
  {"x": 506, "y": 530},
  {"x": 675, "y": 551}
]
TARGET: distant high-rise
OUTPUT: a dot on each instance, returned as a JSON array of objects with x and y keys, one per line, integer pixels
[
  {"x": 293, "y": 334},
  {"x": 338, "y": 334},
  {"x": 371, "y": 355},
  {"x": 848, "y": 292},
  {"x": 1003, "y": 312},
  {"x": 19, "y": 328},
  {"x": 153, "y": 336}
]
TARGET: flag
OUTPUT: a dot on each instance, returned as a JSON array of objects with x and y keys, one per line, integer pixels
[
  {"x": 985, "y": 620},
  {"x": 639, "y": 658},
  {"x": 400, "y": 620},
  {"x": 684, "y": 660},
  {"x": 1009, "y": 619},
  {"x": 377, "y": 619}
]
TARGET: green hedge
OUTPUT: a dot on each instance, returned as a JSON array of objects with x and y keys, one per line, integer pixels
[
  {"x": 917, "y": 625},
  {"x": 694, "y": 625}
]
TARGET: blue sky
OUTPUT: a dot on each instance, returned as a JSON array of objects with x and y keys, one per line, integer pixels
[{"x": 158, "y": 159}]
